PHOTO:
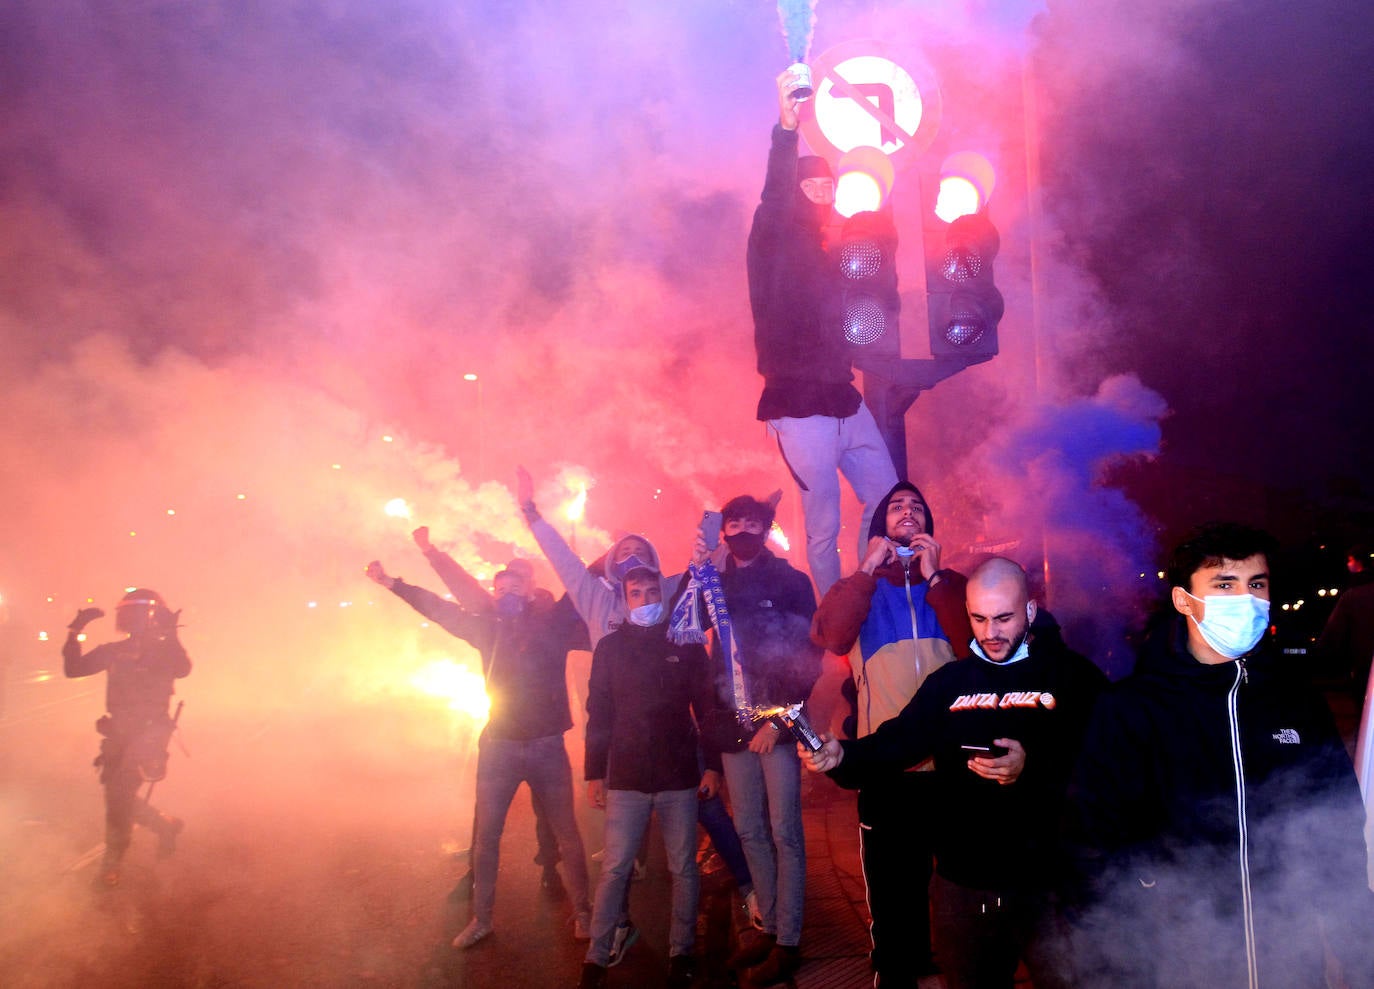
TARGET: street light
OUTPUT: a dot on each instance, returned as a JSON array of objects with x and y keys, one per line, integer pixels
[{"x": 481, "y": 440}]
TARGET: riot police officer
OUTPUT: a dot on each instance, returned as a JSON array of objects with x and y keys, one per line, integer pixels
[{"x": 136, "y": 728}]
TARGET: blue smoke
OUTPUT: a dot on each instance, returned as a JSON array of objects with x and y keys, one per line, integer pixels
[
  {"x": 1050, "y": 471},
  {"x": 798, "y": 19}
]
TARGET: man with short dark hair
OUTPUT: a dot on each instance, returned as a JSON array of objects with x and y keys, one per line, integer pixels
[
  {"x": 898, "y": 618},
  {"x": 770, "y": 605},
  {"x": 644, "y": 698},
  {"x": 1215, "y": 818},
  {"x": 1002, "y": 727}
]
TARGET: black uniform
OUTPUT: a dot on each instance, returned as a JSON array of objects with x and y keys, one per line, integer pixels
[{"x": 136, "y": 727}]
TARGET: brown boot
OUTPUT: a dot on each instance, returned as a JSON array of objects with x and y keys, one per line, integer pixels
[
  {"x": 752, "y": 952},
  {"x": 781, "y": 962}
]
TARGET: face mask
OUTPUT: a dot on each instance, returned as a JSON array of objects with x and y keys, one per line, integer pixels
[
  {"x": 1232, "y": 624},
  {"x": 647, "y": 614},
  {"x": 905, "y": 552},
  {"x": 632, "y": 562},
  {"x": 745, "y": 545},
  {"x": 509, "y": 605}
]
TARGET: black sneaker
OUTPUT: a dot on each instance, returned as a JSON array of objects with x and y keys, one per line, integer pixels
[
  {"x": 593, "y": 976},
  {"x": 682, "y": 971},
  {"x": 781, "y": 962}
]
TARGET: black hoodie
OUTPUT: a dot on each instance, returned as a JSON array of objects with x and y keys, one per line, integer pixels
[{"x": 795, "y": 294}]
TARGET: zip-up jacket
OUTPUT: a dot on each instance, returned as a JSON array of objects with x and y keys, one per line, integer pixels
[
  {"x": 1215, "y": 819},
  {"x": 771, "y": 605},
  {"x": 896, "y": 630},
  {"x": 642, "y": 696},
  {"x": 989, "y": 836}
]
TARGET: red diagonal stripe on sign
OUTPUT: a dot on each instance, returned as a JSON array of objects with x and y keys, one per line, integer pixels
[{"x": 849, "y": 91}]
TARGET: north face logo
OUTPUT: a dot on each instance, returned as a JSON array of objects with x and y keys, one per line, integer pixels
[{"x": 1287, "y": 736}]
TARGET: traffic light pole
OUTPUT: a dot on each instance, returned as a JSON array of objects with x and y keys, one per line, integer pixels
[{"x": 891, "y": 387}]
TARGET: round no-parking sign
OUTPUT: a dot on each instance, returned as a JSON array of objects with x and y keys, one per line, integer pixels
[{"x": 864, "y": 98}]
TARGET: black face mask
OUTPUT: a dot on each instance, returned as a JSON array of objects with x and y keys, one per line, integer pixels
[{"x": 744, "y": 546}]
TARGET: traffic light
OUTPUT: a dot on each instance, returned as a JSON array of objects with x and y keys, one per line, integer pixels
[
  {"x": 870, "y": 305},
  {"x": 964, "y": 304}
]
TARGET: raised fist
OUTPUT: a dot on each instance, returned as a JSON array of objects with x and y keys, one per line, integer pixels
[{"x": 84, "y": 617}]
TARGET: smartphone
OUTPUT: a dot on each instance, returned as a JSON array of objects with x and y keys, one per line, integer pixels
[
  {"x": 988, "y": 751},
  {"x": 710, "y": 528}
]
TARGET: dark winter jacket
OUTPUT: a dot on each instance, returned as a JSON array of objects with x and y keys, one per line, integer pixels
[
  {"x": 795, "y": 295},
  {"x": 771, "y": 605},
  {"x": 1206, "y": 796},
  {"x": 641, "y": 699},
  {"x": 524, "y": 658},
  {"x": 990, "y": 836}
]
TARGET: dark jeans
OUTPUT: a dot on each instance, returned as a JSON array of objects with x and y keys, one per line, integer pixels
[
  {"x": 721, "y": 829},
  {"x": 895, "y": 842},
  {"x": 981, "y": 936}
]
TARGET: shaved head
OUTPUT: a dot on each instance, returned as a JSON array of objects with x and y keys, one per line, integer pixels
[
  {"x": 999, "y": 607},
  {"x": 998, "y": 569}
]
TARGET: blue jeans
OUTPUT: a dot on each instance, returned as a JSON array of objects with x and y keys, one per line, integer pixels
[
  {"x": 765, "y": 793},
  {"x": 819, "y": 448},
  {"x": 627, "y": 818},
  {"x": 502, "y": 765}
]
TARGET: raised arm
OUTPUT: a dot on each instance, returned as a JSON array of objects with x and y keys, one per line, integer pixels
[{"x": 464, "y": 587}]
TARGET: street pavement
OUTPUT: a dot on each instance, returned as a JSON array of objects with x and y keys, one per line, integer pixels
[{"x": 320, "y": 850}]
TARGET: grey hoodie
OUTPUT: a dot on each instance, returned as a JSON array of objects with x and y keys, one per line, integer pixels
[{"x": 599, "y": 600}]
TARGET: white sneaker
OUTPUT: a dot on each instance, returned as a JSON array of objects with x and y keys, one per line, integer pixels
[
  {"x": 625, "y": 936},
  {"x": 470, "y": 935}
]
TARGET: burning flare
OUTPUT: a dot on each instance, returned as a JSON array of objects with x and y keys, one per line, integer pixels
[{"x": 465, "y": 691}]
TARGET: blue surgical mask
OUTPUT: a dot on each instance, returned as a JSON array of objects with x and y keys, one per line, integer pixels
[
  {"x": 1232, "y": 624},
  {"x": 509, "y": 605},
  {"x": 647, "y": 615}
]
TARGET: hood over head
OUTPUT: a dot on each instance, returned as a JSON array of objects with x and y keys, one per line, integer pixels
[
  {"x": 812, "y": 167},
  {"x": 878, "y": 527},
  {"x": 615, "y": 573}
]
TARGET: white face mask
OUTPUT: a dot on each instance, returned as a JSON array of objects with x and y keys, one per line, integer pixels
[
  {"x": 647, "y": 614},
  {"x": 1232, "y": 624}
]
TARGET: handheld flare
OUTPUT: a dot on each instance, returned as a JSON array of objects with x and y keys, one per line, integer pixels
[{"x": 793, "y": 719}]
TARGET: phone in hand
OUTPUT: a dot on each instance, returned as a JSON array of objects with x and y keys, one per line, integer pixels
[
  {"x": 985, "y": 751},
  {"x": 710, "y": 528}
]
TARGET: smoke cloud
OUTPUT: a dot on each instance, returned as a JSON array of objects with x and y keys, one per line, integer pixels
[
  {"x": 798, "y": 19},
  {"x": 248, "y": 254}
]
